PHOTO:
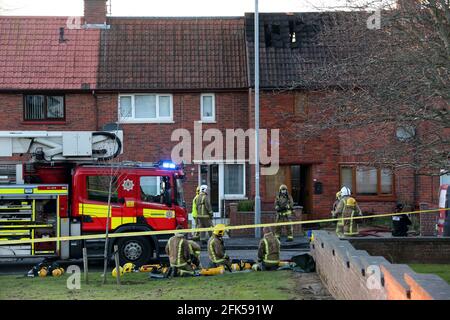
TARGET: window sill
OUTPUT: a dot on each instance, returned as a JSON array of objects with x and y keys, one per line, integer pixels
[
  {"x": 378, "y": 198},
  {"x": 207, "y": 121},
  {"x": 146, "y": 121},
  {"x": 43, "y": 122},
  {"x": 235, "y": 197}
]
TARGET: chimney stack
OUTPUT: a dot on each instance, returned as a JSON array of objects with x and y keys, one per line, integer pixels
[{"x": 95, "y": 11}]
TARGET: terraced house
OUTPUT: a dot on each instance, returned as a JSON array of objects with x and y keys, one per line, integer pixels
[{"x": 153, "y": 75}]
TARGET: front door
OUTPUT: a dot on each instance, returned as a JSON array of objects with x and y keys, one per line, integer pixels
[{"x": 209, "y": 175}]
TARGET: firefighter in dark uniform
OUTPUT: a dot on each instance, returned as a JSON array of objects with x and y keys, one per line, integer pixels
[
  {"x": 347, "y": 209},
  {"x": 400, "y": 223},
  {"x": 177, "y": 248},
  {"x": 284, "y": 206},
  {"x": 216, "y": 249},
  {"x": 269, "y": 251},
  {"x": 204, "y": 212}
]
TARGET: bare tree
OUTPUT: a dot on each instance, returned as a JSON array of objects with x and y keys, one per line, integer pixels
[{"x": 391, "y": 80}]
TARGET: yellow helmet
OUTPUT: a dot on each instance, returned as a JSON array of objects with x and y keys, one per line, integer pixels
[
  {"x": 128, "y": 267},
  {"x": 56, "y": 272},
  {"x": 114, "y": 272},
  {"x": 338, "y": 195},
  {"x": 283, "y": 187},
  {"x": 197, "y": 190},
  {"x": 219, "y": 230},
  {"x": 43, "y": 272},
  {"x": 350, "y": 202}
]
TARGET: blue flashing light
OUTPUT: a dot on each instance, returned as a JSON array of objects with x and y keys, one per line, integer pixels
[{"x": 168, "y": 165}]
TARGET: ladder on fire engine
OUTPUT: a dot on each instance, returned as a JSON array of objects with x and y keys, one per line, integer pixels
[{"x": 57, "y": 146}]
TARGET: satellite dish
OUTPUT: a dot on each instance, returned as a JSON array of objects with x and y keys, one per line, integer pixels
[{"x": 405, "y": 132}]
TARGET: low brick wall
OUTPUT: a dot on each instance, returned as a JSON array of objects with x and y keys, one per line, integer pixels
[
  {"x": 243, "y": 218},
  {"x": 351, "y": 274},
  {"x": 406, "y": 250}
]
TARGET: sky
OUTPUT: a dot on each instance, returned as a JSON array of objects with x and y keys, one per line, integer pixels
[{"x": 163, "y": 7}]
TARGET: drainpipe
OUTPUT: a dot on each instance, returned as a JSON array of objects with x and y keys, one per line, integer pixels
[{"x": 96, "y": 110}]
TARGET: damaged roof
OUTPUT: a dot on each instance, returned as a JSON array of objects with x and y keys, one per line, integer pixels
[
  {"x": 289, "y": 47},
  {"x": 32, "y": 56},
  {"x": 173, "y": 53}
]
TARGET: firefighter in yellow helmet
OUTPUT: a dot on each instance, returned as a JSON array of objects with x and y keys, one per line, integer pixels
[
  {"x": 177, "y": 248},
  {"x": 216, "y": 249},
  {"x": 269, "y": 250},
  {"x": 204, "y": 211},
  {"x": 196, "y": 235},
  {"x": 334, "y": 215},
  {"x": 284, "y": 206},
  {"x": 347, "y": 208}
]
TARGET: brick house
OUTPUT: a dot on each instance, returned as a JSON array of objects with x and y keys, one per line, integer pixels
[{"x": 155, "y": 75}]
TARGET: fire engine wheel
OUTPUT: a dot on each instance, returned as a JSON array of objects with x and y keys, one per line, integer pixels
[{"x": 136, "y": 250}]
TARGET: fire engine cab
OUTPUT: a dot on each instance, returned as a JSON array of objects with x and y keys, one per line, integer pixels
[{"x": 69, "y": 187}]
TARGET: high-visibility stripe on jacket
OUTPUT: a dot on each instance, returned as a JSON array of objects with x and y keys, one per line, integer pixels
[
  {"x": 177, "y": 249},
  {"x": 194, "y": 207},
  {"x": 216, "y": 250},
  {"x": 269, "y": 249},
  {"x": 194, "y": 248},
  {"x": 204, "y": 209}
]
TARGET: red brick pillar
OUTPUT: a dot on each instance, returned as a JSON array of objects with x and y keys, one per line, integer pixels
[
  {"x": 298, "y": 210},
  {"x": 428, "y": 221},
  {"x": 234, "y": 219}
]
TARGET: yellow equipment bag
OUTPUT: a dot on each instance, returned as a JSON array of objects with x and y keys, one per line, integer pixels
[
  {"x": 212, "y": 271},
  {"x": 247, "y": 266},
  {"x": 149, "y": 267}
]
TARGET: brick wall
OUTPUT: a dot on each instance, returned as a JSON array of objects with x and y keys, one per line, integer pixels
[
  {"x": 244, "y": 218},
  {"x": 151, "y": 142},
  {"x": 406, "y": 250},
  {"x": 351, "y": 274}
]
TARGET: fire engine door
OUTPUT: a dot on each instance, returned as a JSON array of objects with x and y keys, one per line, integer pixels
[
  {"x": 158, "y": 215},
  {"x": 94, "y": 207}
]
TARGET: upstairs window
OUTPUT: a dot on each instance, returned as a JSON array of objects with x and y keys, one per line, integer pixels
[
  {"x": 141, "y": 108},
  {"x": 208, "y": 107},
  {"x": 43, "y": 108}
]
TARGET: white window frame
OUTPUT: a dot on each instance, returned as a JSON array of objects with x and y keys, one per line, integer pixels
[
  {"x": 229, "y": 196},
  {"x": 211, "y": 119},
  {"x": 133, "y": 119}
]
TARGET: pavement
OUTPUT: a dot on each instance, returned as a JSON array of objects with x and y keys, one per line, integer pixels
[{"x": 237, "y": 248}]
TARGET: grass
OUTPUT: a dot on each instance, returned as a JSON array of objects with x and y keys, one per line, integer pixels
[
  {"x": 442, "y": 270},
  {"x": 251, "y": 285}
]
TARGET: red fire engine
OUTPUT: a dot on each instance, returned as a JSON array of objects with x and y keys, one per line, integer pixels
[{"x": 65, "y": 189}]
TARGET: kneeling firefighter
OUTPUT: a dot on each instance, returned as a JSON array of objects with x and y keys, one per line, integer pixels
[
  {"x": 216, "y": 248},
  {"x": 284, "y": 206},
  {"x": 194, "y": 251},
  {"x": 347, "y": 208},
  {"x": 400, "y": 223},
  {"x": 177, "y": 248},
  {"x": 269, "y": 251}
]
